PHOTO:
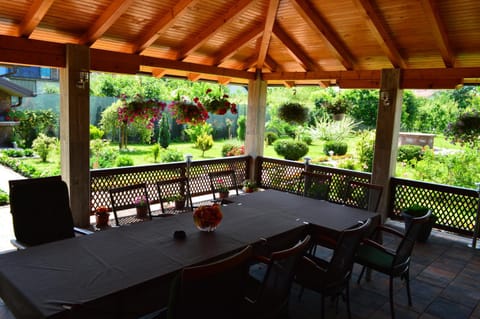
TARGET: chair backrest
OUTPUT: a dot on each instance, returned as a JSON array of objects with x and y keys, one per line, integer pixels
[
  {"x": 213, "y": 290},
  {"x": 314, "y": 185},
  {"x": 126, "y": 197},
  {"x": 363, "y": 195},
  {"x": 404, "y": 249},
  {"x": 226, "y": 177},
  {"x": 40, "y": 210},
  {"x": 275, "y": 290},
  {"x": 168, "y": 189},
  {"x": 341, "y": 263}
]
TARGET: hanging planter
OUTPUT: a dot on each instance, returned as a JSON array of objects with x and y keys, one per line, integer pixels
[
  {"x": 218, "y": 103},
  {"x": 293, "y": 113},
  {"x": 188, "y": 112}
]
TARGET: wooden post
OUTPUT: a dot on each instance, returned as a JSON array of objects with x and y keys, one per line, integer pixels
[
  {"x": 256, "y": 110},
  {"x": 74, "y": 131},
  {"x": 386, "y": 139}
]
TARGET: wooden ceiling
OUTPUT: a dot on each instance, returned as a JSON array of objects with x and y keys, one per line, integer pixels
[{"x": 286, "y": 42}]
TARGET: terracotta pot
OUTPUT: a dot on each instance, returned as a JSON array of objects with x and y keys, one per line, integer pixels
[
  {"x": 179, "y": 204},
  {"x": 102, "y": 219},
  {"x": 338, "y": 117},
  {"x": 142, "y": 211},
  {"x": 223, "y": 194}
]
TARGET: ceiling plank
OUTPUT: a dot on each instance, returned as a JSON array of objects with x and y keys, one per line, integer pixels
[
  {"x": 232, "y": 47},
  {"x": 267, "y": 32},
  {"x": 35, "y": 14},
  {"x": 215, "y": 26},
  {"x": 105, "y": 21},
  {"x": 294, "y": 50},
  {"x": 315, "y": 21},
  {"x": 379, "y": 31},
  {"x": 439, "y": 32},
  {"x": 163, "y": 23}
]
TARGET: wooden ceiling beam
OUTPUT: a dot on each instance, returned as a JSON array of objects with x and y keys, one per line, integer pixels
[
  {"x": 379, "y": 31},
  {"x": 194, "y": 77},
  {"x": 116, "y": 9},
  {"x": 439, "y": 32},
  {"x": 35, "y": 14},
  {"x": 158, "y": 73},
  {"x": 267, "y": 32},
  {"x": 270, "y": 63},
  {"x": 315, "y": 21},
  {"x": 152, "y": 33},
  {"x": 213, "y": 28},
  {"x": 294, "y": 50},
  {"x": 223, "y": 80},
  {"x": 32, "y": 52},
  {"x": 233, "y": 46}
]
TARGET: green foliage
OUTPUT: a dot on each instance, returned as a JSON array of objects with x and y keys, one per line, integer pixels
[
  {"x": 17, "y": 152},
  {"x": 33, "y": 123},
  {"x": 4, "y": 198},
  {"x": 123, "y": 160},
  {"x": 465, "y": 130},
  {"x": 435, "y": 114},
  {"x": 95, "y": 132},
  {"x": 204, "y": 143},
  {"x": 293, "y": 112},
  {"x": 338, "y": 147},
  {"x": 236, "y": 151},
  {"x": 164, "y": 134},
  {"x": 42, "y": 145},
  {"x": 290, "y": 150},
  {"x": 306, "y": 138},
  {"x": 194, "y": 131},
  {"x": 20, "y": 166},
  {"x": 410, "y": 107},
  {"x": 338, "y": 105},
  {"x": 365, "y": 150},
  {"x": 328, "y": 130},
  {"x": 155, "y": 152},
  {"x": 242, "y": 127},
  {"x": 101, "y": 154},
  {"x": 270, "y": 137},
  {"x": 406, "y": 153},
  {"x": 364, "y": 106},
  {"x": 227, "y": 147},
  {"x": 171, "y": 155}
]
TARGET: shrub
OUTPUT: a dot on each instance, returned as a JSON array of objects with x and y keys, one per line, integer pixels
[
  {"x": 28, "y": 152},
  {"x": 293, "y": 113},
  {"x": 102, "y": 155},
  {"x": 328, "y": 130},
  {"x": 95, "y": 132},
  {"x": 18, "y": 152},
  {"x": 408, "y": 152},
  {"x": 365, "y": 148},
  {"x": 164, "y": 134},
  {"x": 307, "y": 139},
  {"x": 237, "y": 151},
  {"x": 123, "y": 160},
  {"x": 227, "y": 147},
  {"x": 270, "y": 137},
  {"x": 242, "y": 127},
  {"x": 43, "y": 144},
  {"x": 3, "y": 198},
  {"x": 204, "y": 143},
  {"x": 171, "y": 155},
  {"x": 33, "y": 123},
  {"x": 338, "y": 148},
  {"x": 194, "y": 131},
  {"x": 155, "y": 152},
  {"x": 289, "y": 149}
]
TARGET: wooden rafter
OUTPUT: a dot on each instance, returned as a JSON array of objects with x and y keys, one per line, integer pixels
[
  {"x": 271, "y": 64},
  {"x": 163, "y": 23},
  {"x": 439, "y": 32},
  {"x": 379, "y": 31},
  {"x": 294, "y": 50},
  {"x": 105, "y": 21},
  {"x": 158, "y": 73},
  {"x": 236, "y": 44},
  {"x": 215, "y": 26},
  {"x": 35, "y": 14},
  {"x": 223, "y": 80},
  {"x": 193, "y": 76},
  {"x": 267, "y": 32},
  {"x": 316, "y": 22}
]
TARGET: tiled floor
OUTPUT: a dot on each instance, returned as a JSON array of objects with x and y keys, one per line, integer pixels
[{"x": 445, "y": 278}]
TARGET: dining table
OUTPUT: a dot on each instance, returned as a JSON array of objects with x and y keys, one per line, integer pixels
[{"x": 125, "y": 272}]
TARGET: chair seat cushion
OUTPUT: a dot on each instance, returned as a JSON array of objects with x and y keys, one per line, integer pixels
[{"x": 374, "y": 258}]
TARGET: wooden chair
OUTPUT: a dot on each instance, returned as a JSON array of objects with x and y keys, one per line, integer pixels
[
  {"x": 213, "y": 290},
  {"x": 396, "y": 262},
  {"x": 123, "y": 198},
  {"x": 226, "y": 177},
  {"x": 174, "y": 190},
  {"x": 40, "y": 209},
  {"x": 332, "y": 278},
  {"x": 363, "y": 195},
  {"x": 314, "y": 185}
]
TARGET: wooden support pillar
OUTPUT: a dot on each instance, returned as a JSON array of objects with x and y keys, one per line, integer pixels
[
  {"x": 74, "y": 131},
  {"x": 255, "y": 126},
  {"x": 386, "y": 139}
]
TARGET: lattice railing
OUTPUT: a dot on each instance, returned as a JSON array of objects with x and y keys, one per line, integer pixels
[
  {"x": 455, "y": 207},
  {"x": 102, "y": 180}
]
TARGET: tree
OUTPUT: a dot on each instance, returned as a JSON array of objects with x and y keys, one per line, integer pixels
[
  {"x": 364, "y": 106},
  {"x": 164, "y": 134},
  {"x": 204, "y": 143}
]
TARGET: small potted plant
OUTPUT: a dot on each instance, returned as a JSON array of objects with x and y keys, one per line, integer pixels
[
  {"x": 178, "y": 199},
  {"x": 338, "y": 107},
  {"x": 141, "y": 205},
  {"x": 222, "y": 188},
  {"x": 249, "y": 186},
  {"x": 416, "y": 211},
  {"x": 101, "y": 216}
]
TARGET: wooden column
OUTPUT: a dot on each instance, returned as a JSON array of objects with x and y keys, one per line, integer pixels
[
  {"x": 256, "y": 110},
  {"x": 386, "y": 139},
  {"x": 74, "y": 131}
]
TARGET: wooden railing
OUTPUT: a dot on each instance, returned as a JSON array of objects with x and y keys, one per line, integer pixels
[{"x": 455, "y": 207}]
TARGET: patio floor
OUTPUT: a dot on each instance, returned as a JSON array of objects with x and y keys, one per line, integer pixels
[{"x": 445, "y": 274}]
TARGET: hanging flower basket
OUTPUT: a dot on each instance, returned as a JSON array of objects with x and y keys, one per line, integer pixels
[
  {"x": 137, "y": 107},
  {"x": 188, "y": 112},
  {"x": 218, "y": 103}
]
